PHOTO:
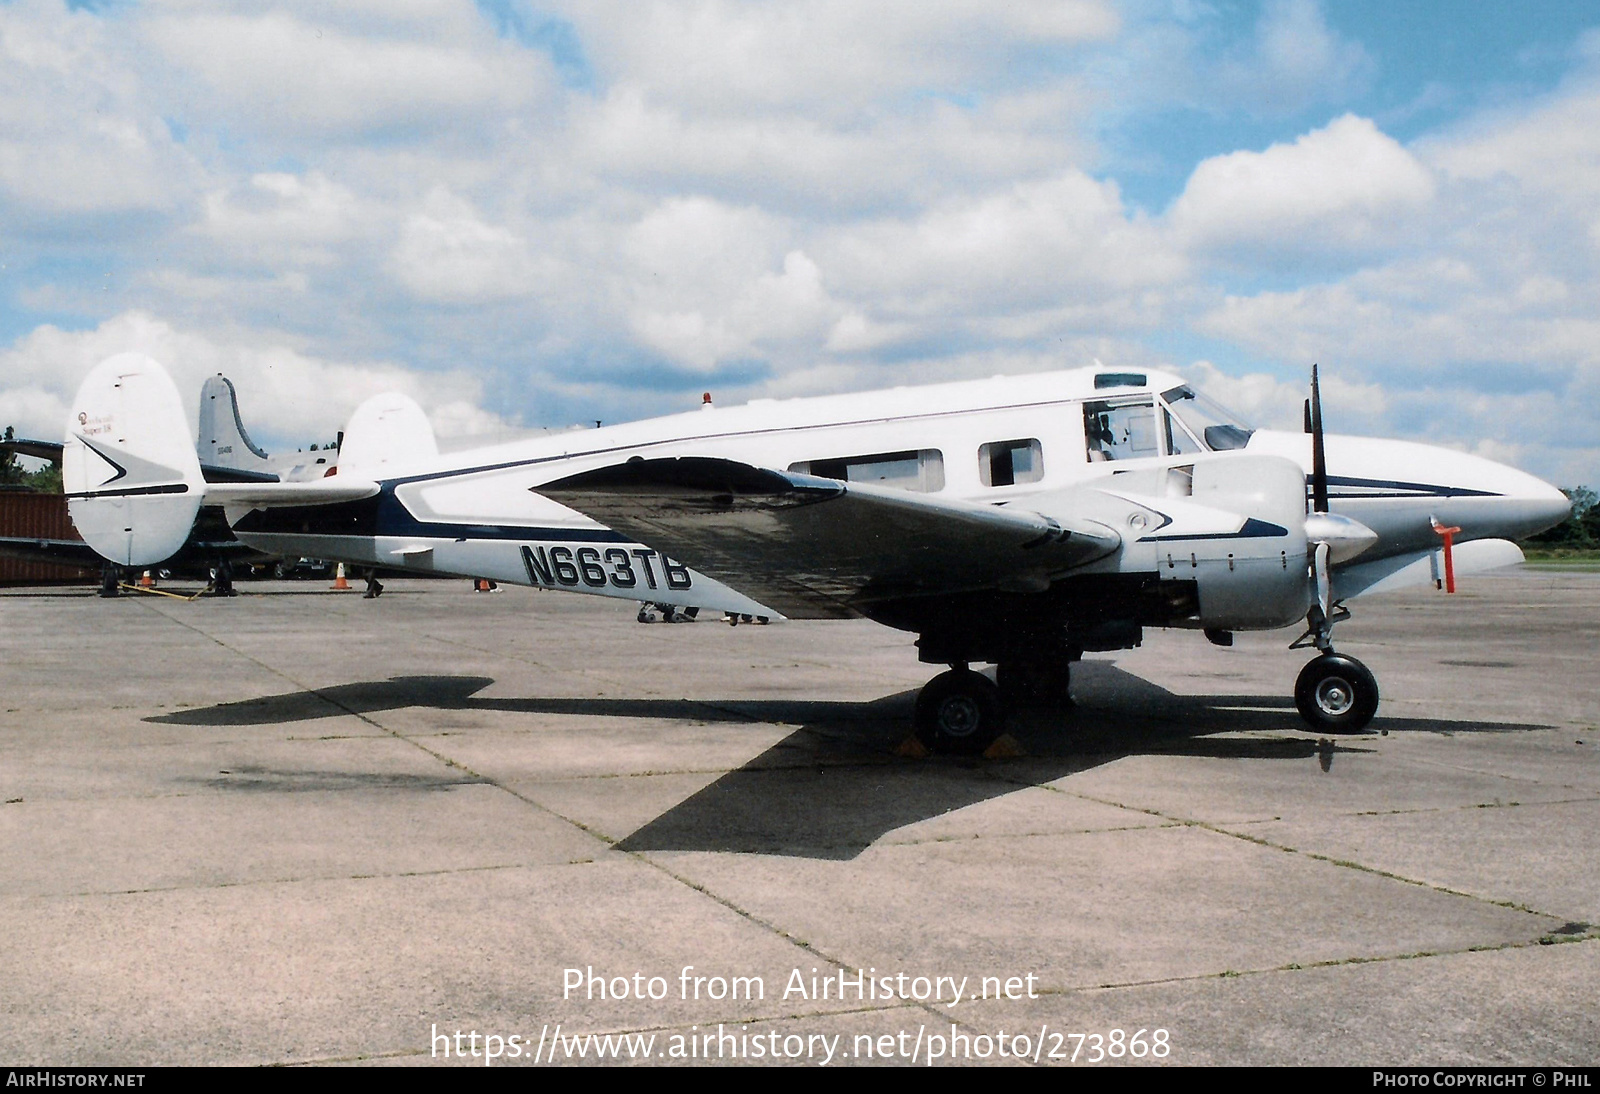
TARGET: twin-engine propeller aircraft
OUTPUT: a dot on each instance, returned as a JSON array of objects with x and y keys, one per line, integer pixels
[{"x": 1015, "y": 521}]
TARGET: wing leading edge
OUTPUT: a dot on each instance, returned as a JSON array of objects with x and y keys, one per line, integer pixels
[{"x": 815, "y": 548}]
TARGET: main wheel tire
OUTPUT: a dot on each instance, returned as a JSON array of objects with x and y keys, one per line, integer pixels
[
  {"x": 959, "y": 713},
  {"x": 1336, "y": 694}
]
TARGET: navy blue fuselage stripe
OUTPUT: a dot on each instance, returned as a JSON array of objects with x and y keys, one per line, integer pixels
[
  {"x": 1401, "y": 489},
  {"x": 1253, "y": 529}
]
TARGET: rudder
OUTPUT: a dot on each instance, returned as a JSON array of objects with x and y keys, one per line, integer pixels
[
  {"x": 386, "y": 435},
  {"x": 131, "y": 477}
]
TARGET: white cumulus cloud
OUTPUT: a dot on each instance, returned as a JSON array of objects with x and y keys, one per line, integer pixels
[
  {"x": 1346, "y": 185},
  {"x": 447, "y": 253}
]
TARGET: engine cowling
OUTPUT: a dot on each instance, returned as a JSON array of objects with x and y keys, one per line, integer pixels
[
  {"x": 1232, "y": 526},
  {"x": 1256, "y": 577}
]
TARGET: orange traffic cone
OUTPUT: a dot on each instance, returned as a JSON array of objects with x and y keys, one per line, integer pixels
[
  {"x": 146, "y": 581},
  {"x": 339, "y": 583}
]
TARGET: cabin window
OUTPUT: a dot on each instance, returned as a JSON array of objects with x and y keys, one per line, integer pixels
[
  {"x": 920, "y": 470},
  {"x": 1121, "y": 429},
  {"x": 1004, "y": 463}
]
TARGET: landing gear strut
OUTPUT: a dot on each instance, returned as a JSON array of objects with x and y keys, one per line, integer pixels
[
  {"x": 959, "y": 712},
  {"x": 1030, "y": 682},
  {"x": 221, "y": 580}
]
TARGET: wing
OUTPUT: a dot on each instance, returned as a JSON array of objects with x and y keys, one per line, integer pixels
[
  {"x": 39, "y": 450},
  {"x": 61, "y": 552},
  {"x": 819, "y": 549}
]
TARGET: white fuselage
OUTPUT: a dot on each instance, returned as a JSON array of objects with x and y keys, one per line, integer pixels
[{"x": 1005, "y": 440}]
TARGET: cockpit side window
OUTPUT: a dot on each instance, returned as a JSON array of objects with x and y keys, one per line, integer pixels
[
  {"x": 1120, "y": 429},
  {"x": 1179, "y": 443},
  {"x": 1219, "y": 428}
]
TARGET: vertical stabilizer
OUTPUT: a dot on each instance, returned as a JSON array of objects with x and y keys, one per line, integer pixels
[
  {"x": 386, "y": 434},
  {"x": 223, "y": 441},
  {"x": 132, "y": 481}
]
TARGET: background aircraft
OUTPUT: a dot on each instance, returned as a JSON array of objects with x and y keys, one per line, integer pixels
[
  {"x": 226, "y": 454},
  {"x": 1016, "y": 521}
]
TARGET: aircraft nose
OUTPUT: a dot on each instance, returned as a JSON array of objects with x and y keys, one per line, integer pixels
[
  {"x": 1532, "y": 505},
  {"x": 1547, "y": 505}
]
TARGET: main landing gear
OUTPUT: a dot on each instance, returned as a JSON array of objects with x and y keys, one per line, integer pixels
[
  {"x": 1042, "y": 682},
  {"x": 959, "y": 713}
]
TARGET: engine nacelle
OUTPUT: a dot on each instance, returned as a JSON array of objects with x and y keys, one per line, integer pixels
[
  {"x": 1230, "y": 526},
  {"x": 1255, "y": 577}
]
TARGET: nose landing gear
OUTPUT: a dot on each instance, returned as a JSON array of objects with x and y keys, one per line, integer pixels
[{"x": 1336, "y": 694}]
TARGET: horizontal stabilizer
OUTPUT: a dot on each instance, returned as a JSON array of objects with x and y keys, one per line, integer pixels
[
  {"x": 268, "y": 495},
  {"x": 817, "y": 548}
]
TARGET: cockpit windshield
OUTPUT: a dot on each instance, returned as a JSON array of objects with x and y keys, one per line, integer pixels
[{"x": 1218, "y": 428}]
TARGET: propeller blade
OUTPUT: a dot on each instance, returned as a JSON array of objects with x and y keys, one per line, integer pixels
[{"x": 1319, "y": 459}]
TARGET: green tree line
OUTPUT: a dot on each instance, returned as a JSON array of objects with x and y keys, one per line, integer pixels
[{"x": 1581, "y": 530}]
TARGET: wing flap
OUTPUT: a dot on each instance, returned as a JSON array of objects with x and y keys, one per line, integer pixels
[{"x": 818, "y": 548}]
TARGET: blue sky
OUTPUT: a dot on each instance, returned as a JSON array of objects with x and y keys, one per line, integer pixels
[
  {"x": 1429, "y": 65},
  {"x": 530, "y": 214}
]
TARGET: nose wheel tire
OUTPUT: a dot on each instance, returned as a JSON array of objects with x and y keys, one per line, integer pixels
[
  {"x": 1336, "y": 694},
  {"x": 959, "y": 713}
]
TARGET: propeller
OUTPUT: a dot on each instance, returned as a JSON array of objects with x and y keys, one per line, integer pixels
[{"x": 1330, "y": 538}]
